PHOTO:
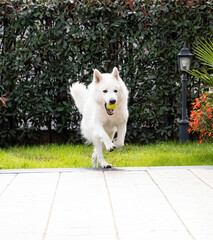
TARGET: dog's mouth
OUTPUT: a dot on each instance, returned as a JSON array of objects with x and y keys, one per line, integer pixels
[{"x": 109, "y": 111}]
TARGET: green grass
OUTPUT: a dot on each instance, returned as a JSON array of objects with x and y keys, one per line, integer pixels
[{"x": 79, "y": 156}]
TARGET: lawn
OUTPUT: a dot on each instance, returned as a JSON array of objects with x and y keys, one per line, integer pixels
[{"x": 79, "y": 156}]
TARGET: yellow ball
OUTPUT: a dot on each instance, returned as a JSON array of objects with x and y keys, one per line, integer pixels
[{"x": 111, "y": 106}]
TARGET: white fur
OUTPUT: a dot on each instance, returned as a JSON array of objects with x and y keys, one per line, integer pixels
[{"x": 97, "y": 126}]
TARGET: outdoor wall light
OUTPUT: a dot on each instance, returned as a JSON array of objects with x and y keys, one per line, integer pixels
[
  {"x": 184, "y": 62},
  {"x": 184, "y": 59}
]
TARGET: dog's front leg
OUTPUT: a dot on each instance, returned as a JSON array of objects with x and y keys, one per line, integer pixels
[
  {"x": 101, "y": 137},
  {"x": 94, "y": 159},
  {"x": 121, "y": 132},
  {"x": 104, "y": 138},
  {"x": 98, "y": 154}
]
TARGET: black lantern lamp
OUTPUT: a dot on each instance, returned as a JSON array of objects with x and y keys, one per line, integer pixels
[
  {"x": 184, "y": 59},
  {"x": 184, "y": 62}
]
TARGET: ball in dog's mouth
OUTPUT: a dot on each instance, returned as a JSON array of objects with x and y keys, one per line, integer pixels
[{"x": 110, "y": 108}]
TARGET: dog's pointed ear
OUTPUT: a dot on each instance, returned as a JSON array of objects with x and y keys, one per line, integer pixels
[
  {"x": 97, "y": 76},
  {"x": 115, "y": 73}
]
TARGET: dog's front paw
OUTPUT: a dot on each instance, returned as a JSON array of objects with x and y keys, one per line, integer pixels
[
  {"x": 104, "y": 164},
  {"x": 107, "y": 166},
  {"x": 110, "y": 147}
]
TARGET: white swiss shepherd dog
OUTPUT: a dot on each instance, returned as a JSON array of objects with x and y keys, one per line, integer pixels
[{"x": 104, "y": 108}]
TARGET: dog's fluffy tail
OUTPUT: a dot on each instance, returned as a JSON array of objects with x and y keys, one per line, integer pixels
[{"x": 80, "y": 94}]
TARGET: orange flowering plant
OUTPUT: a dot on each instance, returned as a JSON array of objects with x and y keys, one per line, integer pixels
[{"x": 201, "y": 118}]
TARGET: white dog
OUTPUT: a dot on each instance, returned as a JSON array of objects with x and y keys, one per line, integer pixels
[{"x": 104, "y": 108}]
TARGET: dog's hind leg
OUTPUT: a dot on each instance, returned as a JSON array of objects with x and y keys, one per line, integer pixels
[
  {"x": 119, "y": 142},
  {"x": 98, "y": 154}
]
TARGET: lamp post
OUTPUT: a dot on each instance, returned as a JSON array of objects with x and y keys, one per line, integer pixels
[{"x": 184, "y": 61}]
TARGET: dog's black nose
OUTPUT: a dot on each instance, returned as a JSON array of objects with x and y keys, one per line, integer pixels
[{"x": 112, "y": 101}]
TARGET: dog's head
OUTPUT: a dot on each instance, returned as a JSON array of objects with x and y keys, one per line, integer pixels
[{"x": 107, "y": 89}]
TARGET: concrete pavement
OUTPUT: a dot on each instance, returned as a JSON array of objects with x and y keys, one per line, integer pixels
[{"x": 124, "y": 203}]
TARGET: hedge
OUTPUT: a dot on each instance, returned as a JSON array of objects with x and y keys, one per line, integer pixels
[{"x": 47, "y": 45}]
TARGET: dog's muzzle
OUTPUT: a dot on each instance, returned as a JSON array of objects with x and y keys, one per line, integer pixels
[{"x": 109, "y": 108}]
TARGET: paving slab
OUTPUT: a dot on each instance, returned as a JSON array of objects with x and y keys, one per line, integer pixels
[
  {"x": 117, "y": 204},
  {"x": 5, "y": 181},
  {"x": 81, "y": 208},
  {"x": 205, "y": 176},
  {"x": 25, "y": 206},
  {"x": 141, "y": 210},
  {"x": 191, "y": 198}
]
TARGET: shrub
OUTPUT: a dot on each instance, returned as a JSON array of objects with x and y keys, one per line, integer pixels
[
  {"x": 47, "y": 45},
  {"x": 202, "y": 118}
]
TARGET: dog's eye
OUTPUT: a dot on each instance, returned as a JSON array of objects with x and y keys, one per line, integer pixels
[
  {"x": 115, "y": 91},
  {"x": 105, "y": 91}
]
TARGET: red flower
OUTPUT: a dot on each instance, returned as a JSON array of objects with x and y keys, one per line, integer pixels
[
  {"x": 209, "y": 110},
  {"x": 205, "y": 97},
  {"x": 190, "y": 3},
  {"x": 196, "y": 105},
  {"x": 130, "y": 3},
  {"x": 201, "y": 118}
]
